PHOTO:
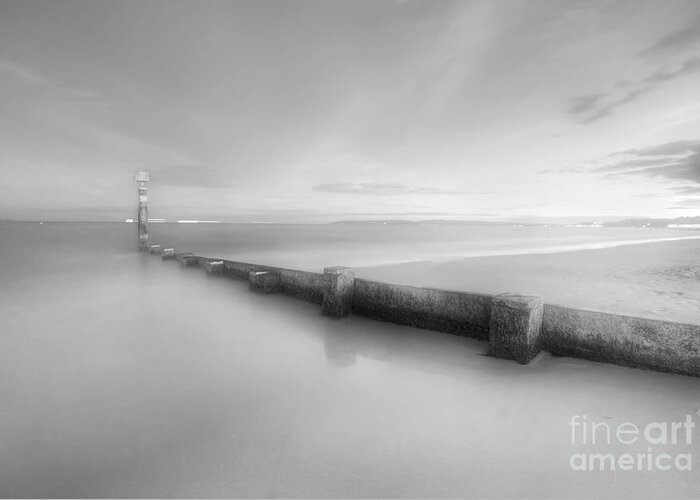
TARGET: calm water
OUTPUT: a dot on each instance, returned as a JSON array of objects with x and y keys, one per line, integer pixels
[
  {"x": 125, "y": 376},
  {"x": 314, "y": 246}
]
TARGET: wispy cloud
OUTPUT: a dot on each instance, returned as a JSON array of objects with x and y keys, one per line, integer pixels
[
  {"x": 584, "y": 103},
  {"x": 22, "y": 72},
  {"x": 679, "y": 160},
  {"x": 593, "y": 107},
  {"x": 33, "y": 76},
  {"x": 381, "y": 189},
  {"x": 677, "y": 39}
]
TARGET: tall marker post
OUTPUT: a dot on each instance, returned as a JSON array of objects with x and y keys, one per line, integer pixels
[{"x": 142, "y": 178}]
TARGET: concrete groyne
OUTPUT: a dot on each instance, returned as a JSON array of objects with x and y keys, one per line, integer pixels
[{"x": 516, "y": 327}]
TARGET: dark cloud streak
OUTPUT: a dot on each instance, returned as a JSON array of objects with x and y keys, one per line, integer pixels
[
  {"x": 584, "y": 103},
  {"x": 679, "y": 160},
  {"x": 590, "y": 108},
  {"x": 677, "y": 39}
]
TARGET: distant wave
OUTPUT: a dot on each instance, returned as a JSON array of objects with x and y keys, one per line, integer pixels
[
  {"x": 578, "y": 246},
  {"x": 575, "y": 247}
]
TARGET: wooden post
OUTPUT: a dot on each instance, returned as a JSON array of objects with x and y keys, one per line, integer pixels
[{"x": 142, "y": 178}]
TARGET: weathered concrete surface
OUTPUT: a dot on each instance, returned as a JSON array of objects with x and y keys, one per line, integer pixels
[
  {"x": 143, "y": 213},
  {"x": 509, "y": 323},
  {"x": 187, "y": 259},
  {"x": 154, "y": 249},
  {"x": 465, "y": 314},
  {"x": 624, "y": 340},
  {"x": 168, "y": 253},
  {"x": 303, "y": 285},
  {"x": 240, "y": 270},
  {"x": 265, "y": 281},
  {"x": 212, "y": 267},
  {"x": 338, "y": 290},
  {"x": 514, "y": 329}
]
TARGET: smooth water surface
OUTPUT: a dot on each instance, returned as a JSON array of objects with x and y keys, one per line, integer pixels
[{"x": 125, "y": 376}]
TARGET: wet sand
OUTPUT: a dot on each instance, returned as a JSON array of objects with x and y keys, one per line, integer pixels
[
  {"x": 125, "y": 376},
  {"x": 658, "y": 280}
]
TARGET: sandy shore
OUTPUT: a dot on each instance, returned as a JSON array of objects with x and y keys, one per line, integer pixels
[{"x": 659, "y": 280}]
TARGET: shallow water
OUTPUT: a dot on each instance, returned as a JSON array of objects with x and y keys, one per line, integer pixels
[
  {"x": 125, "y": 376},
  {"x": 315, "y": 246},
  {"x": 649, "y": 272}
]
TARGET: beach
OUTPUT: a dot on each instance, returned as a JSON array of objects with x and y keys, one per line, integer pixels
[
  {"x": 647, "y": 272},
  {"x": 659, "y": 280},
  {"x": 122, "y": 375}
]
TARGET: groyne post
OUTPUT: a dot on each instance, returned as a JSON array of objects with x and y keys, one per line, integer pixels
[
  {"x": 167, "y": 253},
  {"x": 187, "y": 259},
  {"x": 142, "y": 178},
  {"x": 515, "y": 326},
  {"x": 213, "y": 267},
  {"x": 338, "y": 291}
]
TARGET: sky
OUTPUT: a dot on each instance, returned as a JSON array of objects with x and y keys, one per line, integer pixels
[{"x": 325, "y": 110}]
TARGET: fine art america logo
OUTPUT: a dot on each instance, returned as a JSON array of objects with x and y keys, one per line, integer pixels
[{"x": 655, "y": 446}]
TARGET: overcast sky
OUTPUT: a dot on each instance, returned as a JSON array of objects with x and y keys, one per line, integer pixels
[{"x": 299, "y": 110}]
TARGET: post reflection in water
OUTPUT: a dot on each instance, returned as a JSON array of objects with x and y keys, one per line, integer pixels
[{"x": 339, "y": 345}]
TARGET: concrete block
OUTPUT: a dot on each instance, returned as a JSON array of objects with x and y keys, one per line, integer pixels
[
  {"x": 514, "y": 330},
  {"x": 264, "y": 281},
  {"x": 187, "y": 259},
  {"x": 338, "y": 290},
  {"x": 154, "y": 249},
  {"x": 624, "y": 340},
  {"x": 458, "y": 313},
  {"x": 167, "y": 253},
  {"x": 214, "y": 267}
]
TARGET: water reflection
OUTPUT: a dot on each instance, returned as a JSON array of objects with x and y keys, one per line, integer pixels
[{"x": 338, "y": 344}]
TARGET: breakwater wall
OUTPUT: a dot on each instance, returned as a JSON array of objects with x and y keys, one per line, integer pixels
[
  {"x": 516, "y": 327},
  {"x": 301, "y": 284}
]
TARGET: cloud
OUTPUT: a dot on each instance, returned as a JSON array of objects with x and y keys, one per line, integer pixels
[
  {"x": 609, "y": 108},
  {"x": 24, "y": 73},
  {"x": 693, "y": 202},
  {"x": 679, "y": 160},
  {"x": 593, "y": 107},
  {"x": 32, "y": 76},
  {"x": 189, "y": 176},
  {"x": 688, "y": 190},
  {"x": 677, "y": 39},
  {"x": 584, "y": 103},
  {"x": 666, "y": 149},
  {"x": 687, "y": 169},
  {"x": 380, "y": 189},
  {"x": 690, "y": 66}
]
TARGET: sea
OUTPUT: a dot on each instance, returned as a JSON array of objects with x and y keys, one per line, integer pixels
[
  {"x": 314, "y": 246},
  {"x": 125, "y": 376}
]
